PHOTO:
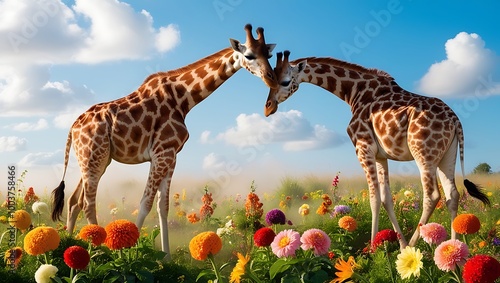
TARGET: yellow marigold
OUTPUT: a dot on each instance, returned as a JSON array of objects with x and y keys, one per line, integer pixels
[
  {"x": 13, "y": 256},
  {"x": 93, "y": 233},
  {"x": 239, "y": 268},
  {"x": 204, "y": 244},
  {"x": 121, "y": 234},
  {"x": 41, "y": 240},
  {"x": 20, "y": 219},
  {"x": 3, "y": 219},
  {"x": 466, "y": 223},
  {"x": 348, "y": 223}
]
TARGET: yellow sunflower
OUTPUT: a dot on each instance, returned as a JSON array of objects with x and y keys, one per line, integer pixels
[{"x": 239, "y": 268}]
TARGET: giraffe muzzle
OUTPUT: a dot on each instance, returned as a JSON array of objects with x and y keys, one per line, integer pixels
[{"x": 270, "y": 108}]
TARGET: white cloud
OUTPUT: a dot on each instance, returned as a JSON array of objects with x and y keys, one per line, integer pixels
[
  {"x": 167, "y": 38},
  {"x": 213, "y": 162},
  {"x": 28, "y": 91},
  {"x": 35, "y": 35},
  {"x": 291, "y": 128},
  {"x": 467, "y": 67},
  {"x": 12, "y": 143},
  {"x": 41, "y": 159},
  {"x": 41, "y": 124},
  {"x": 205, "y": 137}
]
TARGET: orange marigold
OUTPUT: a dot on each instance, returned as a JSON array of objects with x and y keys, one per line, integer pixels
[
  {"x": 323, "y": 209},
  {"x": 121, "y": 234},
  {"x": 204, "y": 244},
  {"x": 192, "y": 217},
  {"x": 93, "y": 233},
  {"x": 348, "y": 223},
  {"x": 41, "y": 240},
  {"x": 466, "y": 223},
  {"x": 20, "y": 219}
]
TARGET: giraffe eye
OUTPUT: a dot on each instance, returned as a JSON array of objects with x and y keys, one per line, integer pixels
[
  {"x": 285, "y": 83},
  {"x": 250, "y": 57}
]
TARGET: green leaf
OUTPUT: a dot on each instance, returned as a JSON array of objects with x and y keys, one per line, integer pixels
[
  {"x": 282, "y": 265},
  {"x": 204, "y": 273}
]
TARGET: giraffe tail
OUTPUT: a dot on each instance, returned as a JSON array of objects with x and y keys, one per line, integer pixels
[
  {"x": 58, "y": 193},
  {"x": 473, "y": 189}
]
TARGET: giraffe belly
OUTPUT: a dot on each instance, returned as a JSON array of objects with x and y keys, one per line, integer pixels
[{"x": 394, "y": 149}]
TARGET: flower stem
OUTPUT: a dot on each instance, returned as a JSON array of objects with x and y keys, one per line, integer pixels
[{"x": 218, "y": 276}]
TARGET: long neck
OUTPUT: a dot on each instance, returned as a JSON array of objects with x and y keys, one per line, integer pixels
[
  {"x": 191, "y": 84},
  {"x": 351, "y": 83}
]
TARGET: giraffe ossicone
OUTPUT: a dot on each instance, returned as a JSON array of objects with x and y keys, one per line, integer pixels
[
  {"x": 148, "y": 126},
  {"x": 387, "y": 122}
]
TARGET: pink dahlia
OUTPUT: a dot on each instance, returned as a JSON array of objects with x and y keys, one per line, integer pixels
[
  {"x": 433, "y": 233},
  {"x": 481, "y": 269},
  {"x": 450, "y": 254},
  {"x": 315, "y": 239},
  {"x": 286, "y": 243}
]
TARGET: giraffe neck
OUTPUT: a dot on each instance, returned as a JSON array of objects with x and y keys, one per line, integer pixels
[
  {"x": 191, "y": 84},
  {"x": 350, "y": 82}
]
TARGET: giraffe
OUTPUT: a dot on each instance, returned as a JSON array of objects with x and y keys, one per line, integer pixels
[
  {"x": 387, "y": 122},
  {"x": 148, "y": 125}
]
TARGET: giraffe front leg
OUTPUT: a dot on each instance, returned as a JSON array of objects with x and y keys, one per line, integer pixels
[
  {"x": 387, "y": 201},
  {"x": 163, "y": 208},
  {"x": 369, "y": 168},
  {"x": 160, "y": 175}
]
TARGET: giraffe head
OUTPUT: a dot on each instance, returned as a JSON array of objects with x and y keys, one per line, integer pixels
[
  {"x": 254, "y": 55},
  {"x": 288, "y": 76}
]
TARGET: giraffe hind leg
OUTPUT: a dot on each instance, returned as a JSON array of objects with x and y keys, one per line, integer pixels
[
  {"x": 75, "y": 204},
  {"x": 430, "y": 199}
]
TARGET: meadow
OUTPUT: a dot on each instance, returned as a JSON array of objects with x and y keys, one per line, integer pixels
[{"x": 307, "y": 229}]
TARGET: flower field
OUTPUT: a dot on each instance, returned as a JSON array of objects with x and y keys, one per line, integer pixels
[{"x": 305, "y": 230}]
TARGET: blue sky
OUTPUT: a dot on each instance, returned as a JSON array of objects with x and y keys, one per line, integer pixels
[{"x": 58, "y": 58}]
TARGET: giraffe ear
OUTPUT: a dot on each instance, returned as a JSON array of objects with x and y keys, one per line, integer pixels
[
  {"x": 301, "y": 66},
  {"x": 237, "y": 46},
  {"x": 270, "y": 47}
]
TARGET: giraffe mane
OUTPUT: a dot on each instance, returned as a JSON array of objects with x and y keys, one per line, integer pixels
[
  {"x": 191, "y": 66},
  {"x": 346, "y": 65}
]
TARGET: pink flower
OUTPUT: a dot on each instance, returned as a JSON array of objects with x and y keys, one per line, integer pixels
[
  {"x": 449, "y": 254},
  {"x": 286, "y": 243},
  {"x": 433, "y": 233},
  {"x": 315, "y": 239}
]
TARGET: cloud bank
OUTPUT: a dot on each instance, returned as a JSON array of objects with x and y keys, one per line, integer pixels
[
  {"x": 466, "y": 71},
  {"x": 35, "y": 35}
]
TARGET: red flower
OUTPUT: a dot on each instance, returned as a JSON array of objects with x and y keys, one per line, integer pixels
[
  {"x": 76, "y": 257},
  {"x": 384, "y": 235},
  {"x": 264, "y": 237},
  {"x": 481, "y": 269}
]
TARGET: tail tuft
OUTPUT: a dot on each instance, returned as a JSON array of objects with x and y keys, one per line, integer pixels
[
  {"x": 475, "y": 191},
  {"x": 58, "y": 202}
]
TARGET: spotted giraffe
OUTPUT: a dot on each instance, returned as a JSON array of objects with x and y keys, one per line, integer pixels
[
  {"x": 148, "y": 125},
  {"x": 387, "y": 122}
]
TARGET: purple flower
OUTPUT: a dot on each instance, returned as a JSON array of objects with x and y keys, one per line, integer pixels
[
  {"x": 341, "y": 209},
  {"x": 496, "y": 241},
  {"x": 275, "y": 216}
]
